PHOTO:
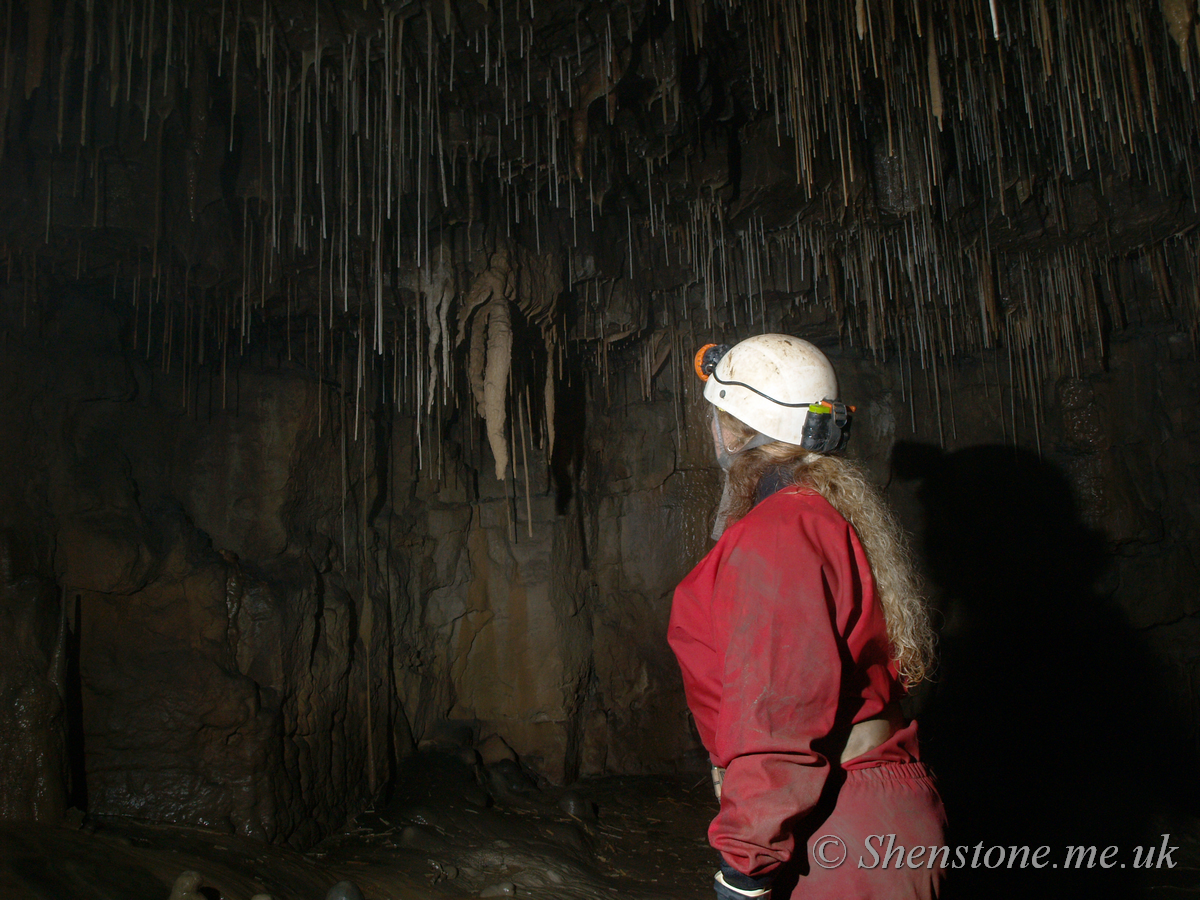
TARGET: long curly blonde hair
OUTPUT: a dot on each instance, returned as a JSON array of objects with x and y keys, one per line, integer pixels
[{"x": 847, "y": 489}]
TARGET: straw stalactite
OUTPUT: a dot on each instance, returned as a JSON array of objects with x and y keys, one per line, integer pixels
[{"x": 934, "y": 178}]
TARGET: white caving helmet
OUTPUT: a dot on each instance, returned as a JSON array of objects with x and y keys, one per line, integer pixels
[{"x": 781, "y": 386}]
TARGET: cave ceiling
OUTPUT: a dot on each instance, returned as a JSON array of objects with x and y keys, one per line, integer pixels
[{"x": 440, "y": 180}]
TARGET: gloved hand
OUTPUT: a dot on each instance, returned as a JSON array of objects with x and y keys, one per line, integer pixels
[{"x": 730, "y": 884}]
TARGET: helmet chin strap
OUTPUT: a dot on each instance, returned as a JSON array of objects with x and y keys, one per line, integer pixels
[{"x": 726, "y": 458}]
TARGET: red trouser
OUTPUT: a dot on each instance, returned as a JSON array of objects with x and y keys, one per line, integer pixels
[{"x": 870, "y": 807}]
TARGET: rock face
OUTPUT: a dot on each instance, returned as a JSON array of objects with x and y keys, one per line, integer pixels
[
  {"x": 241, "y": 614},
  {"x": 34, "y": 764},
  {"x": 499, "y": 636},
  {"x": 222, "y": 670},
  {"x": 262, "y": 631}
]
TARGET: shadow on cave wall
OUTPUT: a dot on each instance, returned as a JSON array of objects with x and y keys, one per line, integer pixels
[{"x": 1047, "y": 722}]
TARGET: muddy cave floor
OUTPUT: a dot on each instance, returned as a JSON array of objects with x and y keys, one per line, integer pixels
[{"x": 451, "y": 830}]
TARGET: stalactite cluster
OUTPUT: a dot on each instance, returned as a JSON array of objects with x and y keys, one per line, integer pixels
[{"x": 340, "y": 187}]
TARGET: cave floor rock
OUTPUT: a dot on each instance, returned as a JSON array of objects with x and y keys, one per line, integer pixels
[
  {"x": 452, "y": 829},
  {"x": 440, "y": 835},
  {"x": 636, "y": 837}
]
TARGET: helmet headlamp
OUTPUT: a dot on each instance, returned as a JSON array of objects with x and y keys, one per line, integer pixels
[
  {"x": 707, "y": 358},
  {"x": 826, "y": 427}
]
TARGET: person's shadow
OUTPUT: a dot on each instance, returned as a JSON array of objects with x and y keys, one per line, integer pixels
[{"x": 1045, "y": 724}]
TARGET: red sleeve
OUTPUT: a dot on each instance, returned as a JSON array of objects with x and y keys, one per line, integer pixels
[{"x": 757, "y": 628}]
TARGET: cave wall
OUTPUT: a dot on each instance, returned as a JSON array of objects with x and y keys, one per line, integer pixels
[
  {"x": 270, "y": 588},
  {"x": 497, "y": 631},
  {"x": 222, "y": 663},
  {"x": 35, "y": 773},
  {"x": 269, "y": 604}
]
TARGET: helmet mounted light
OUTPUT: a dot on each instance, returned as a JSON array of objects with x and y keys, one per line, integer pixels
[
  {"x": 707, "y": 358},
  {"x": 827, "y": 426}
]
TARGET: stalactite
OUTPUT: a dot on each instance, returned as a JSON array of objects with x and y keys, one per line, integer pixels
[
  {"x": 935, "y": 79},
  {"x": 1027, "y": 105},
  {"x": 523, "y": 424},
  {"x": 496, "y": 371},
  {"x": 438, "y": 290},
  {"x": 548, "y": 395},
  {"x": 1180, "y": 16}
]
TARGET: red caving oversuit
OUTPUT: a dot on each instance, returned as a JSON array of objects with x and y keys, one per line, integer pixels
[{"x": 783, "y": 647}]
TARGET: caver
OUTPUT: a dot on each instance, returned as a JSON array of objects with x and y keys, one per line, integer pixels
[{"x": 797, "y": 636}]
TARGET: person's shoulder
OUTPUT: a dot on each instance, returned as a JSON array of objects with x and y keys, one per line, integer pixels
[
  {"x": 799, "y": 501},
  {"x": 793, "y": 510}
]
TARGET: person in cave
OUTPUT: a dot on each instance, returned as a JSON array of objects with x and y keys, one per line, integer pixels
[{"x": 797, "y": 635}]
